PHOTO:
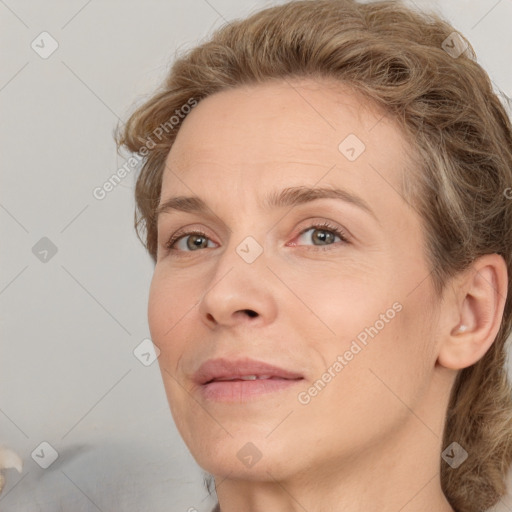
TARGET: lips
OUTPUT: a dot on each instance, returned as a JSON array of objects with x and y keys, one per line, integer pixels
[
  {"x": 245, "y": 377},
  {"x": 222, "y": 370}
]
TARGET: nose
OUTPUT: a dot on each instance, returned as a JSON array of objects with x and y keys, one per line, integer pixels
[{"x": 238, "y": 293}]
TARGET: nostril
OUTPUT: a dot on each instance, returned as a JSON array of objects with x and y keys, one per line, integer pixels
[{"x": 251, "y": 313}]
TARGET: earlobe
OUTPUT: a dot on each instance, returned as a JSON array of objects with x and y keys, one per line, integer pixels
[{"x": 476, "y": 312}]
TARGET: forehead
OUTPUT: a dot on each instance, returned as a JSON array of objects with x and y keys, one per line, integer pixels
[{"x": 286, "y": 132}]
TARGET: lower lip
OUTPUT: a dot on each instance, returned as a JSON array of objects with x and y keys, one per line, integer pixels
[{"x": 244, "y": 390}]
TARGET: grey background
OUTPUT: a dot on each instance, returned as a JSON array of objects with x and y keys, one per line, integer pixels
[{"x": 69, "y": 326}]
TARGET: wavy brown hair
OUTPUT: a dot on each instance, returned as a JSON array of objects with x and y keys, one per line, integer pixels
[{"x": 460, "y": 137}]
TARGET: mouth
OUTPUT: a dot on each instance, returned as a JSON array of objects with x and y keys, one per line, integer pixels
[
  {"x": 247, "y": 377},
  {"x": 244, "y": 389},
  {"x": 239, "y": 381}
]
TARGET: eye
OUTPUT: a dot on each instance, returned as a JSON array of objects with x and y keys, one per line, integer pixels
[
  {"x": 323, "y": 234},
  {"x": 189, "y": 241}
]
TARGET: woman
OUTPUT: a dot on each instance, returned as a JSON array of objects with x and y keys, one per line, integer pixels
[{"x": 324, "y": 194}]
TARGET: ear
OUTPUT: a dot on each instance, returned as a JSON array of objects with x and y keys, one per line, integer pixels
[{"x": 473, "y": 312}]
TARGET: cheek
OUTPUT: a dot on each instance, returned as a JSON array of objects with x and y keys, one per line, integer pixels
[
  {"x": 374, "y": 381},
  {"x": 343, "y": 305},
  {"x": 392, "y": 361},
  {"x": 167, "y": 315},
  {"x": 169, "y": 303},
  {"x": 373, "y": 325},
  {"x": 159, "y": 310}
]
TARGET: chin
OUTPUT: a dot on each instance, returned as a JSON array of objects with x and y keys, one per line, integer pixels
[{"x": 247, "y": 456}]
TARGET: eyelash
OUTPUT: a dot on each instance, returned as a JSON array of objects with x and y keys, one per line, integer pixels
[{"x": 325, "y": 226}]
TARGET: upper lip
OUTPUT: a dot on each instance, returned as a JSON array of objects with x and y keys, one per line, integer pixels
[{"x": 216, "y": 369}]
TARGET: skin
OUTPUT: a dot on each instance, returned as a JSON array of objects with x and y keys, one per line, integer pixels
[{"x": 372, "y": 438}]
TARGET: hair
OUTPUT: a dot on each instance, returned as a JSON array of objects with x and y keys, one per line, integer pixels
[{"x": 461, "y": 143}]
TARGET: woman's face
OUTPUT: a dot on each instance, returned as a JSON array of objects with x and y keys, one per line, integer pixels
[{"x": 333, "y": 290}]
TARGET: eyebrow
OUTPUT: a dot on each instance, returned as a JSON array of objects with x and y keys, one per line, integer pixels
[{"x": 288, "y": 197}]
